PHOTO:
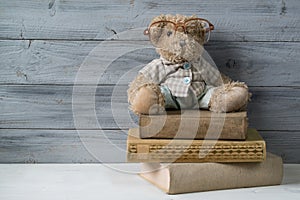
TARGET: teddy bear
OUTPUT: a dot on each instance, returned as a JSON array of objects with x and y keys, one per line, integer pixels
[{"x": 184, "y": 77}]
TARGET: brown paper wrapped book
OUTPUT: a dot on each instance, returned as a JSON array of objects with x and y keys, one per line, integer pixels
[
  {"x": 253, "y": 149},
  {"x": 194, "y": 124},
  {"x": 196, "y": 177}
]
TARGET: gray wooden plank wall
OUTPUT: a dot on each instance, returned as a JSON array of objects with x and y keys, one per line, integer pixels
[{"x": 43, "y": 44}]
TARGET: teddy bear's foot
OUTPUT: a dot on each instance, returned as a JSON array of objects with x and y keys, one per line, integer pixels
[
  {"x": 229, "y": 97},
  {"x": 148, "y": 100}
]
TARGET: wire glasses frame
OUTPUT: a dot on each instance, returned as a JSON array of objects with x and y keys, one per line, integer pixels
[{"x": 183, "y": 25}]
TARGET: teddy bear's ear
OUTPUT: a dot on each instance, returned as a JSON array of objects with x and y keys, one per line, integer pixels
[
  {"x": 156, "y": 19},
  {"x": 193, "y": 16},
  {"x": 161, "y": 17}
]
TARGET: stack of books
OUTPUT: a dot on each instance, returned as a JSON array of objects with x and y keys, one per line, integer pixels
[{"x": 195, "y": 150}]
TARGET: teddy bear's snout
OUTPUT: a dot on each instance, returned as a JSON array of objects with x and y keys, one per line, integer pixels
[{"x": 182, "y": 43}]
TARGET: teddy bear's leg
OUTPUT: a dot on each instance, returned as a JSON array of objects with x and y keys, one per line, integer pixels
[
  {"x": 148, "y": 100},
  {"x": 229, "y": 97},
  {"x": 144, "y": 96}
]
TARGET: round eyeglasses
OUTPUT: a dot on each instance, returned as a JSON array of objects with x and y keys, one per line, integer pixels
[
  {"x": 191, "y": 26},
  {"x": 187, "y": 26}
]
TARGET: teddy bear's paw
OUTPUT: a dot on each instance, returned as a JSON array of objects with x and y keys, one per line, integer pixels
[
  {"x": 148, "y": 100},
  {"x": 230, "y": 97}
]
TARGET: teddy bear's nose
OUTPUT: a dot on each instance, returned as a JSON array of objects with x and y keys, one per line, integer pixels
[{"x": 181, "y": 43}]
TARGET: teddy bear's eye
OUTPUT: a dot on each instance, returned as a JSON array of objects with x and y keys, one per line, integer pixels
[{"x": 169, "y": 33}]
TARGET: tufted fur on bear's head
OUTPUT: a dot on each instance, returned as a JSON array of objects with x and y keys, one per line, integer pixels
[{"x": 178, "y": 38}]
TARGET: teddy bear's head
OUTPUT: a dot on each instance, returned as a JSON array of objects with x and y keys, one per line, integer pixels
[{"x": 178, "y": 38}]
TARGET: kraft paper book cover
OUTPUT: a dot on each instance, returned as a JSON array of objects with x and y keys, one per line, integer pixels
[
  {"x": 181, "y": 125},
  {"x": 196, "y": 177},
  {"x": 253, "y": 149}
]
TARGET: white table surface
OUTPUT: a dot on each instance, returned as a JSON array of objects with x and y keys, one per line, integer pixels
[{"x": 96, "y": 181}]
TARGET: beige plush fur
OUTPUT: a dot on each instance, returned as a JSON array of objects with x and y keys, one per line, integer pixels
[
  {"x": 229, "y": 97},
  {"x": 144, "y": 95}
]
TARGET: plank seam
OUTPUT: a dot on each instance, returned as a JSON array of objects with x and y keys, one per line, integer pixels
[
  {"x": 125, "y": 85},
  {"x": 121, "y": 129},
  {"x": 120, "y": 40}
]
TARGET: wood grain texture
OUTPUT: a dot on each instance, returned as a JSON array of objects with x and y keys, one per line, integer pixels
[
  {"x": 43, "y": 45},
  {"x": 283, "y": 143},
  {"x": 61, "y": 146},
  {"x": 274, "y": 108},
  {"x": 236, "y": 20},
  {"x": 42, "y": 106},
  {"x": 51, "y": 107},
  {"x": 65, "y": 146},
  {"x": 58, "y": 62}
]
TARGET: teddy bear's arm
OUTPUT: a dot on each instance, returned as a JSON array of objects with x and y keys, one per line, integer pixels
[
  {"x": 139, "y": 81},
  {"x": 225, "y": 79}
]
